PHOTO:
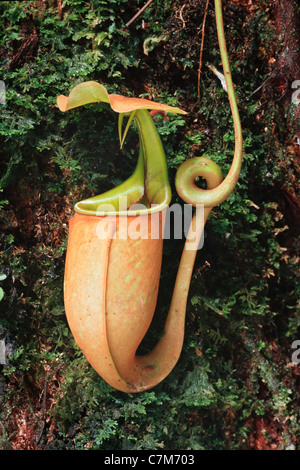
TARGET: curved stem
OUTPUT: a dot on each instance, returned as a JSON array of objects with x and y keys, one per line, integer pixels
[
  {"x": 140, "y": 373},
  {"x": 230, "y": 181},
  {"x": 213, "y": 197}
]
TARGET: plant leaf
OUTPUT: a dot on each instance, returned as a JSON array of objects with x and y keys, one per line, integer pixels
[
  {"x": 84, "y": 93},
  {"x": 92, "y": 92}
]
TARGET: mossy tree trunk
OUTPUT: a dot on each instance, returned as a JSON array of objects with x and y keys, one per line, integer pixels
[{"x": 236, "y": 385}]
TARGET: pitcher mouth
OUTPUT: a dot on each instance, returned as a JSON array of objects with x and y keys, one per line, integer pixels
[
  {"x": 147, "y": 190},
  {"x": 87, "y": 207}
]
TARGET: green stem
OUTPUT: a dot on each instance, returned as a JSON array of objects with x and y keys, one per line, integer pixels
[{"x": 212, "y": 197}]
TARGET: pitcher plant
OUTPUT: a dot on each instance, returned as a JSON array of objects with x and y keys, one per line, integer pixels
[{"x": 112, "y": 279}]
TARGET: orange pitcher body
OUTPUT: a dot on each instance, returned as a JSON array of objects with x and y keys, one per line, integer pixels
[{"x": 112, "y": 275}]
